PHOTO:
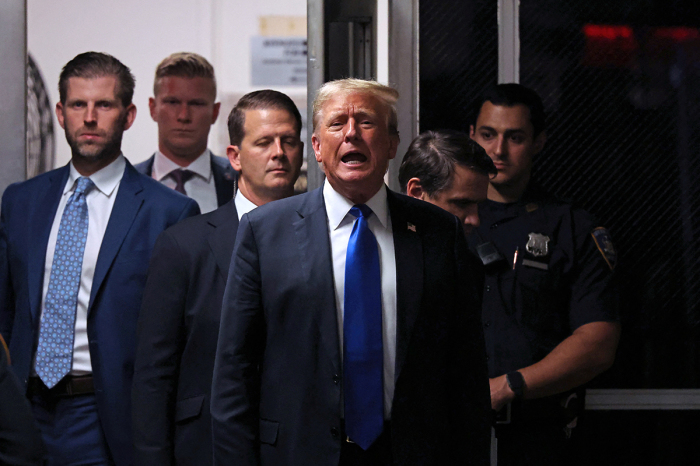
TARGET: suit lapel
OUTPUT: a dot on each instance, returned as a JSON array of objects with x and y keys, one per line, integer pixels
[
  {"x": 40, "y": 225},
  {"x": 126, "y": 206},
  {"x": 409, "y": 275},
  {"x": 311, "y": 232},
  {"x": 224, "y": 222}
]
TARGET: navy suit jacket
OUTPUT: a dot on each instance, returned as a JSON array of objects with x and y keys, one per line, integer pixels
[
  {"x": 177, "y": 334},
  {"x": 224, "y": 176},
  {"x": 142, "y": 210},
  {"x": 276, "y": 394}
]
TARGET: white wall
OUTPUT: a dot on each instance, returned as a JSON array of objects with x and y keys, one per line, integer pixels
[{"x": 141, "y": 33}]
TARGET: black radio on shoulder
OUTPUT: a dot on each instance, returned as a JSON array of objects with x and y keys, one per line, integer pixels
[{"x": 489, "y": 255}]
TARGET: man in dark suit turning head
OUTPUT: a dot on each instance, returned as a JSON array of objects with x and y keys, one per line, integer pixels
[
  {"x": 350, "y": 330},
  {"x": 179, "y": 322}
]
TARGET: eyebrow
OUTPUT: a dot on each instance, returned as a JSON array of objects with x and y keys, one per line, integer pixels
[
  {"x": 507, "y": 131},
  {"x": 359, "y": 112}
]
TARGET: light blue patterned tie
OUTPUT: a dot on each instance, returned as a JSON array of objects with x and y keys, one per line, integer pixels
[{"x": 54, "y": 353}]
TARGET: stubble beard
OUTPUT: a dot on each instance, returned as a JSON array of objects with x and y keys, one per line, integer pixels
[{"x": 96, "y": 152}]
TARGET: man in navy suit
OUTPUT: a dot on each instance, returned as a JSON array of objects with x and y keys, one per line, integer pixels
[
  {"x": 296, "y": 380},
  {"x": 74, "y": 249},
  {"x": 184, "y": 106},
  {"x": 179, "y": 322}
]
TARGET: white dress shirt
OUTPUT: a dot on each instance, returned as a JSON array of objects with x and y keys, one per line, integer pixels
[
  {"x": 201, "y": 187},
  {"x": 243, "y": 204},
  {"x": 340, "y": 224},
  {"x": 100, "y": 201}
]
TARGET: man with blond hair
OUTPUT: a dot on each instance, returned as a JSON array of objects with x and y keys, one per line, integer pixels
[
  {"x": 350, "y": 330},
  {"x": 184, "y": 106}
]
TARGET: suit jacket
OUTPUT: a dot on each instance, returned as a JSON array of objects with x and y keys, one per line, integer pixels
[
  {"x": 224, "y": 176},
  {"x": 276, "y": 395},
  {"x": 177, "y": 334},
  {"x": 142, "y": 210}
]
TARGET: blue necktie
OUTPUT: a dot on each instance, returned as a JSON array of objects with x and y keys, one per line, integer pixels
[
  {"x": 362, "y": 334},
  {"x": 54, "y": 353}
]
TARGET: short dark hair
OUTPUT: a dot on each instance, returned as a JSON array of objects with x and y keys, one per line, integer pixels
[
  {"x": 432, "y": 157},
  {"x": 509, "y": 95},
  {"x": 183, "y": 65},
  {"x": 259, "y": 100},
  {"x": 96, "y": 65}
]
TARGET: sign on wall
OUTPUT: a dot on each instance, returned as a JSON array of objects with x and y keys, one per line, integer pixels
[{"x": 278, "y": 61}]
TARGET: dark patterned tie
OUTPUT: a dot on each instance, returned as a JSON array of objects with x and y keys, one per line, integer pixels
[
  {"x": 54, "y": 353},
  {"x": 362, "y": 334},
  {"x": 181, "y": 177}
]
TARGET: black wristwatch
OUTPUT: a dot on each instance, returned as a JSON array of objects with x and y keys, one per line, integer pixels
[{"x": 516, "y": 383}]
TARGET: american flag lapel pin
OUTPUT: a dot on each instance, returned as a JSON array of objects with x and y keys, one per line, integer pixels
[{"x": 411, "y": 227}]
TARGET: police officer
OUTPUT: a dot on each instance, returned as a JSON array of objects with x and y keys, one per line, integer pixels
[{"x": 550, "y": 307}]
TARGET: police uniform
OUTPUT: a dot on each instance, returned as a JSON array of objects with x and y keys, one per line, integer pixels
[{"x": 548, "y": 271}]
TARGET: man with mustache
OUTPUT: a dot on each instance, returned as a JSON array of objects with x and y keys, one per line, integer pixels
[
  {"x": 184, "y": 106},
  {"x": 74, "y": 246},
  {"x": 550, "y": 304},
  {"x": 179, "y": 322},
  {"x": 350, "y": 330}
]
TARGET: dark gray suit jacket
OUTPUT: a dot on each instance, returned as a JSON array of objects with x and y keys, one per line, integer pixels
[
  {"x": 177, "y": 334},
  {"x": 225, "y": 176},
  {"x": 276, "y": 394}
]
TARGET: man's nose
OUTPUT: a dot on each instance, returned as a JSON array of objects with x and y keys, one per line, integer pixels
[
  {"x": 500, "y": 148},
  {"x": 472, "y": 219},
  {"x": 90, "y": 114},
  {"x": 183, "y": 113},
  {"x": 352, "y": 130},
  {"x": 277, "y": 149}
]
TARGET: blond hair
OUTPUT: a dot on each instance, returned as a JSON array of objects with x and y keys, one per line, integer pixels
[
  {"x": 385, "y": 94},
  {"x": 184, "y": 65}
]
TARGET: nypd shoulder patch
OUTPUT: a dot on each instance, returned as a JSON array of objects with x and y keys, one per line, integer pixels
[{"x": 604, "y": 243}]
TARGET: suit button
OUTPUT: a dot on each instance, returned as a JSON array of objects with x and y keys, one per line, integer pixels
[
  {"x": 336, "y": 379},
  {"x": 487, "y": 324},
  {"x": 488, "y": 288},
  {"x": 335, "y": 432}
]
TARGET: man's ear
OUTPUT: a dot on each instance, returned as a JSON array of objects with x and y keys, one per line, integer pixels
[
  {"x": 415, "y": 189},
  {"x": 59, "y": 114},
  {"x": 540, "y": 141},
  {"x": 215, "y": 113},
  {"x": 394, "y": 141},
  {"x": 152, "y": 108},
  {"x": 234, "y": 157},
  {"x": 130, "y": 116},
  {"x": 316, "y": 144},
  {"x": 471, "y": 131}
]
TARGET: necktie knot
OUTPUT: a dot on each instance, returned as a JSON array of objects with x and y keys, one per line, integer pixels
[
  {"x": 181, "y": 176},
  {"x": 361, "y": 210},
  {"x": 84, "y": 185}
]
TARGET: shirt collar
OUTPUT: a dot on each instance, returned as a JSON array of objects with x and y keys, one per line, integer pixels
[
  {"x": 243, "y": 204},
  {"x": 337, "y": 206},
  {"x": 105, "y": 179},
  {"x": 201, "y": 166}
]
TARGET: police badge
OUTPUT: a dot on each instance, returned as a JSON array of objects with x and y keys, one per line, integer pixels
[{"x": 537, "y": 244}]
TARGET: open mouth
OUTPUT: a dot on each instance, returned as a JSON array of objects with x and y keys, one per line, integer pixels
[{"x": 354, "y": 158}]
